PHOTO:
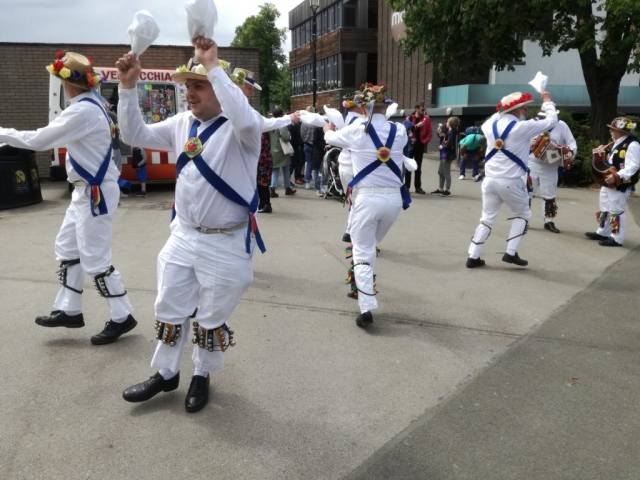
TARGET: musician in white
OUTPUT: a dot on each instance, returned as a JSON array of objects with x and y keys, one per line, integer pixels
[
  {"x": 545, "y": 174},
  {"x": 624, "y": 157},
  {"x": 508, "y": 134}
]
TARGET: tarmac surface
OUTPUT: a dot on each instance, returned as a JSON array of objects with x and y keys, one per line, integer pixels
[{"x": 493, "y": 373}]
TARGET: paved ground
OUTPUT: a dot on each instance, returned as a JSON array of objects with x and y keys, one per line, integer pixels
[{"x": 498, "y": 372}]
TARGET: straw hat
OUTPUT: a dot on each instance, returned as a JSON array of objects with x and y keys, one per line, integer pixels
[
  {"x": 194, "y": 71},
  {"x": 74, "y": 69},
  {"x": 622, "y": 124},
  {"x": 513, "y": 101},
  {"x": 242, "y": 76}
]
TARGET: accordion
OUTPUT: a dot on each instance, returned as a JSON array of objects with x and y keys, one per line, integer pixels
[{"x": 548, "y": 151}]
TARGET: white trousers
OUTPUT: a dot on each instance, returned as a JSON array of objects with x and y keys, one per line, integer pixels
[
  {"x": 88, "y": 238},
  {"x": 495, "y": 192},
  {"x": 208, "y": 271},
  {"x": 545, "y": 176},
  {"x": 613, "y": 202},
  {"x": 346, "y": 175},
  {"x": 373, "y": 216}
]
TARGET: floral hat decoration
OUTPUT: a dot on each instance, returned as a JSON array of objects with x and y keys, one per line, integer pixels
[
  {"x": 75, "y": 69},
  {"x": 513, "y": 101},
  {"x": 242, "y": 76},
  {"x": 374, "y": 93},
  {"x": 622, "y": 124}
]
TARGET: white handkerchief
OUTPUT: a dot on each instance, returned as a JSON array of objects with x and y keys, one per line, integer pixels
[
  {"x": 314, "y": 119},
  {"x": 540, "y": 82},
  {"x": 202, "y": 18},
  {"x": 410, "y": 164},
  {"x": 143, "y": 32},
  {"x": 335, "y": 117},
  {"x": 391, "y": 111}
]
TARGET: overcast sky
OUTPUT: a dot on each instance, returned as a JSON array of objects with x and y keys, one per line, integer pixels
[{"x": 82, "y": 21}]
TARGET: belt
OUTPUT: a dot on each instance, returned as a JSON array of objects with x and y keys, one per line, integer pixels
[
  {"x": 227, "y": 231},
  {"x": 80, "y": 183},
  {"x": 372, "y": 190}
]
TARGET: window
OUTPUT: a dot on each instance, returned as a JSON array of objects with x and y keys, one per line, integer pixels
[
  {"x": 372, "y": 17},
  {"x": 350, "y": 15},
  {"x": 372, "y": 68},
  {"x": 349, "y": 70}
]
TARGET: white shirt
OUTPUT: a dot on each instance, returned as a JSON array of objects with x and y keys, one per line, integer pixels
[
  {"x": 82, "y": 128},
  {"x": 270, "y": 124},
  {"x": 517, "y": 142},
  {"x": 631, "y": 160},
  {"x": 345, "y": 155},
  {"x": 364, "y": 152},
  {"x": 232, "y": 153},
  {"x": 561, "y": 135}
]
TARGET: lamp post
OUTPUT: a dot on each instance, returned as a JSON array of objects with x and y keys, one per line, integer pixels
[{"x": 314, "y": 5}]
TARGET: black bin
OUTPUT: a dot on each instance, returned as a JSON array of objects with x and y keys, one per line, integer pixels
[{"x": 19, "y": 179}]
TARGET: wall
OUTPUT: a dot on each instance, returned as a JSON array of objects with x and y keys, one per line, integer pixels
[
  {"x": 24, "y": 96},
  {"x": 562, "y": 68},
  {"x": 407, "y": 78}
]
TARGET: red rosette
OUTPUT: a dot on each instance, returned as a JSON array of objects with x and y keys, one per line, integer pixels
[
  {"x": 59, "y": 54},
  {"x": 58, "y": 65}
]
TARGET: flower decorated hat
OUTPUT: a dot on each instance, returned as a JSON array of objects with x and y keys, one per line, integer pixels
[
  {"x": 513, "y": 101},
  {"x": 622, "y": 124},
  {"x": 373, "y": 94},
  {"x": 243, "y": 76},
  {"x": 194, "y": 71},
  {"x": 74, "y": 69}
]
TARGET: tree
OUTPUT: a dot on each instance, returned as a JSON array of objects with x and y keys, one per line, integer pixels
[
  {"x": 280, "y": 88},
  {"x": 260, "y": 31},
  {"x": 474, "y": 34}
]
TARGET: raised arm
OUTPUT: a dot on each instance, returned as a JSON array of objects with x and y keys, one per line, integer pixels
[
  {"x": 133, "y": 130},
  {"x": 270, "y": 124},
  {"x": 536, "y": 127},
  {"x": 71, "y": 125}
]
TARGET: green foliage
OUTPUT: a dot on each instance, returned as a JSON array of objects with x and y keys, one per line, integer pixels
[
  {"x": 260, "y": 31},
  {"x": 280, "y": 88}
]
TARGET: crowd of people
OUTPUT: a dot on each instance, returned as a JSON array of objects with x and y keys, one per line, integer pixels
[{"x": 233, "y": 161}]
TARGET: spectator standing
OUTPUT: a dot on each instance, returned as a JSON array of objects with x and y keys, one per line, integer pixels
[
  {"x": 423, "y": 133},
  {"x": 449, "y": 146},
  {"x": 139, "y": 163},
  {"x": 307, "y": 134},
  {"x": 297, "y": 161},
  {"x": 265, "y": 169},
  {"x": 281, "y": 160},
  {"x": 319, "y": 147}
]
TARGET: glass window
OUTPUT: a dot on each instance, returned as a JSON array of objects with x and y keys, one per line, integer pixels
[
  {"x": 157, "y": 101},
  {"x": 372, "y": 68},
  {"x": 338, "y": 14},
  {"x": 349, "y": 70},
  {"x": 372, "y": 17},
  {"x": 350, "y": 15}
]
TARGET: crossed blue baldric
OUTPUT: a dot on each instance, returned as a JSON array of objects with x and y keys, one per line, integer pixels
[
  {"x": 510, "y": 155},
  {"x": 219, "y": 184}
]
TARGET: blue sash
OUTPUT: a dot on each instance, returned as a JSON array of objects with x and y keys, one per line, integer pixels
[
  {"x": 97, "y": 198},
  {"x": 388, "y": 161},
  {"x": 353, "y": 119},
  {"x": 219, "y": 184},
  {"x": 499, "y": 147}
]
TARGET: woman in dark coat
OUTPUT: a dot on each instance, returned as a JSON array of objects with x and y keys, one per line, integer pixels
[
  {"x": 318, "y": 155},
  {"x": 265, "y": 169}
]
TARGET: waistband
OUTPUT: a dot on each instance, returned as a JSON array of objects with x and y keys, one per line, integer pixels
[
  {"x": 227, "y": 231},
  {"x": 372, "y": 190},
  {"x": 82, "y": 183}
]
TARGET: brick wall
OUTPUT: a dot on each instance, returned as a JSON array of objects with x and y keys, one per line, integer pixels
[
  {"x": 332, "y": 98},
  {"x": 24, "y": 96},
  {"x": 408, "y": 78}
]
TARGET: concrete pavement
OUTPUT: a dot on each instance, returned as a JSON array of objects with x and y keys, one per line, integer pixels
[{"x": 305, "y": 393}]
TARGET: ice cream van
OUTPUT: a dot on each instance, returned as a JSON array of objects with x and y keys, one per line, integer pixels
[{"x": 159, "y": 99}]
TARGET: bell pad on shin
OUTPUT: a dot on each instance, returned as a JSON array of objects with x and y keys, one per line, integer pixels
[
  {"x": 204, "y": 338},
  {"x": 167, "y": 333},
  {"x": 101, "y": 285},
  {"x": 62, "y": 273}
]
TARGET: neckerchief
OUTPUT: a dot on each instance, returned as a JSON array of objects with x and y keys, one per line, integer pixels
[{"x": 97, "y": 199}]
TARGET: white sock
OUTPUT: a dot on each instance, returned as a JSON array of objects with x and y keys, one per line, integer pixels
[
  {"x": 201, "y": 373},
  {"x": 74, "y": 312},
  {"x": 120, "y": 320},
  {"x": 167, "y": 374}
]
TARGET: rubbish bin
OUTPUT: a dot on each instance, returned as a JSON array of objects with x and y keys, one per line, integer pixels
[{"x": 19, "y": 179}]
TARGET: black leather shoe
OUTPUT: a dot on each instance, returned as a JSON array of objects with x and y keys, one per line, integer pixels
[
  {"x": 266, "y": 209},
  {"x": 346, "y": 238},
  {"x": 475, "y": 262},
  {"x": 364, "y": 319},
  {"x": 420, "y": 191},
  {"x": 273, "y": 193},
  {"x": 609, "y": 242},
  {"x": 149, "y": 389},
  {"x": 198, "y": 394},
  {"x": 595, "y": 236},
  {"x": 353, "y": 295},
  {"x": 515, "y": 259},
  {"x": 290, "y": 191},
  {"x": 112, "y": 331},
  {"x": 60, "y": 319},
  {"x": 551, "y": 227}
]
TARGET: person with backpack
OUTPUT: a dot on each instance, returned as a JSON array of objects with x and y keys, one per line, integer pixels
[{"x": 470, "y": 147}]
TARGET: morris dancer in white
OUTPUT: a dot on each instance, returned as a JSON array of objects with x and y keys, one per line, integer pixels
[
  {"x": 208, "y": 259},
  {"x": 624, "y": 157},
  {"x": 545, "y": 174},
  {"x": 508, "y": 135},
  {"x": 83, "y": 244},
  {"x": 376, "y": 151}
]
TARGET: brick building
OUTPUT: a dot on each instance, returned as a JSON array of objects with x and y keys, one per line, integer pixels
[{"x": 24, "y": 97}]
